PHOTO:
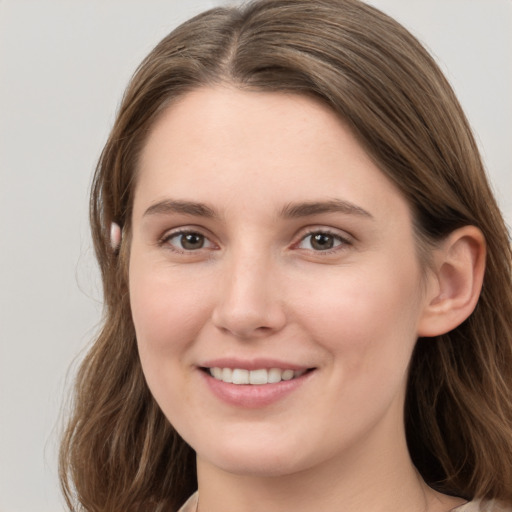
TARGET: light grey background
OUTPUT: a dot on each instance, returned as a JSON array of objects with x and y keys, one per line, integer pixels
[{"x": 63, "y": 67}]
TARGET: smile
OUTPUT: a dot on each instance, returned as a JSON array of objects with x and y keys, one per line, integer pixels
[
  {"x": 256, "y": 387},
  {"x": 256, "y": 377}
]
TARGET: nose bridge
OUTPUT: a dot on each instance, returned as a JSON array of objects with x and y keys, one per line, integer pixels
[{"x": 249, "y": 302}]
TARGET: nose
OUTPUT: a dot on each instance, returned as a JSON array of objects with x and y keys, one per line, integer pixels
[{"x": 250, "y": 304}]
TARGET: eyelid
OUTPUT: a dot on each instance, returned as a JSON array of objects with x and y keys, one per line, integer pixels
[
  {"x": 185, "y": 230},
  {"x": 345, "y": 238}
]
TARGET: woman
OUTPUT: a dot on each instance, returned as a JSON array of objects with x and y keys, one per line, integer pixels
[{"x": 307, "y": 280}]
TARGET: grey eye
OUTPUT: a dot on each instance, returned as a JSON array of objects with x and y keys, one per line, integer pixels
[
  {"x": 190, "y": 241},
  {"x": 321, "y": 241}
]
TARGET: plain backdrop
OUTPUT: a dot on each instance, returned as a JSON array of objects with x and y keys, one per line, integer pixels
[{"x": 63, "y": 67}]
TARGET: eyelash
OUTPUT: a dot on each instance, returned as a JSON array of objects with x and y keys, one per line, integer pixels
[
  {"x": 165, "y": 240},
  {"x": 342, "y": 241}
]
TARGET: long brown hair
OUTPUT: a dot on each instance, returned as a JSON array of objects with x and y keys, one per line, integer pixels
[{"x": 119, "y": 453}]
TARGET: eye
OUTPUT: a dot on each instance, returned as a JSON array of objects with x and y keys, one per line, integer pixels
[
  {"x": 321, "y": 241},
  {"x": 188, "y": 241}
]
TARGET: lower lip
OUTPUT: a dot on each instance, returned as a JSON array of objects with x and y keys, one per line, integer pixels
[{"x": 252, "y": 396}]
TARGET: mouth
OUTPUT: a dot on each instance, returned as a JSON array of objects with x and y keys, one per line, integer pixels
[
  {"x": 254, "y": 384},
  {"x": 258, "y": 377}
]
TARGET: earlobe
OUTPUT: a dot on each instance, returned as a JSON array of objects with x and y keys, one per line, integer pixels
[
  {"x": 458, "y": 275},
  {"x": 115, "y": 236}
]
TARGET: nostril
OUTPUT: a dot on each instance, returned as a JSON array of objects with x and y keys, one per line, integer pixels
[{"x": 246, "y": 326}]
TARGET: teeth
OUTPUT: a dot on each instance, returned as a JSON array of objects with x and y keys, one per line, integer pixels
[
  {"x": 240, "y": 376},
  {"x": 216, "y": 372},
  {"x": 274, "y": 375},
  {"x": 258, "y": 377},
  {"x": 287, "y": 375},
  {"x": 227, "y": 374}
]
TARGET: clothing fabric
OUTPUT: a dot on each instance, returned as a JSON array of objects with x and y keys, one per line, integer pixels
[
  {"x": 190, "y": 505},
  {"x": 482, "y": 506},
  {"x": 473, "y": 506}
]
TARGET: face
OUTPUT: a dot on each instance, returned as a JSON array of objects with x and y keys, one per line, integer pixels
[{"x": 270, "y": 251}]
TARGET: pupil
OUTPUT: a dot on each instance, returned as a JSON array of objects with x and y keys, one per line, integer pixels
[
  {"x": 192, "y": 241},
  {"x": 322, "y": 242}
]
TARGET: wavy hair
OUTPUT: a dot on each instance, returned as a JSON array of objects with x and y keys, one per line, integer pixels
[{"x": 119, "y": 453}]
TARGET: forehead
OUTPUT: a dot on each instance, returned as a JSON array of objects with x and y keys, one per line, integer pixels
[{"x": 220, "y": 144}]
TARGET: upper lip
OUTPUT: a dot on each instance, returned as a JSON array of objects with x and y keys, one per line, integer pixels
[{"x": 252, "y": 364}]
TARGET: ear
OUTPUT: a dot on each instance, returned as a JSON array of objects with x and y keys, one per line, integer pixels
[{"x": 455, "y": 283}]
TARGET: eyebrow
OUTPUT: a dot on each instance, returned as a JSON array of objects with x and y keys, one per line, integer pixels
[
  {"x": 297, "y": 210},
  {"x": 290, "y": 211},
  {"x": 185, "y": 207}
]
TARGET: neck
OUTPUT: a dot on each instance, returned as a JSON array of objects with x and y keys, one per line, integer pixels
[
  {"x": 370, "y": 479},
  {"x": 373, "y": 472}
]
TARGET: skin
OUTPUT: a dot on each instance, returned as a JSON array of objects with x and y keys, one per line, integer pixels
[{"x": 258, "y": 287}]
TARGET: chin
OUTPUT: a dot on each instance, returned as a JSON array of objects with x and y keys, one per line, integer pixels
[
  {"x": 262, "y": 467},
  {"x": 270, "y": 459}
]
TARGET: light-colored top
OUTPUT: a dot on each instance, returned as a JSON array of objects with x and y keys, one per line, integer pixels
[
  {"x": 190, "y": 505},
  {"x": 482, "y": 506},
  {"x": 473, "y": 506}
]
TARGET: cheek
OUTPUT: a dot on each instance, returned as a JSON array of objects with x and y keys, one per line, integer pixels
[
  {"x": 368, "y": 317},
  {"x": 166, "y": 315},
  {"x": 165, "y": 309}
]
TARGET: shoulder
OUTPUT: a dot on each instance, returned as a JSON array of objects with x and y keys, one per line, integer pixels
[
  {"x": 190, "y": 505},
  {"x": 483, "y": 506}
]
